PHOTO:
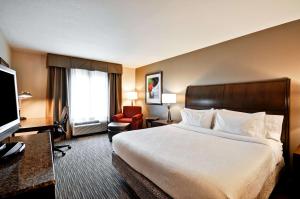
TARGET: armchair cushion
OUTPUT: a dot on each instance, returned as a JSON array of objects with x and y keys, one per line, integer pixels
[
  {"x": 130, "y": 111},
  {"x": 132, "y": 115},
  {"x": 117, "y": 117},
  {"x": 137, "y": 117},
  {"x": 126, "y": 120}
]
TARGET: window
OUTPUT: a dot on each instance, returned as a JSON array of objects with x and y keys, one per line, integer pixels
[{"x": 88, "y": 95}]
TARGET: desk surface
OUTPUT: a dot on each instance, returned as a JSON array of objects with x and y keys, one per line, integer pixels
[
  {"x": 35, "y": 124},
  {"x": 29, "y": 171}
]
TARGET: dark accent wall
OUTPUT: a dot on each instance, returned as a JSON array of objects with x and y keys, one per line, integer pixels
[{"x": 268, "y": 54}]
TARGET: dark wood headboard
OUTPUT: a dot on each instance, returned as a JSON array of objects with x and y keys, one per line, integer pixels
[{"x": 270, "y": 96}]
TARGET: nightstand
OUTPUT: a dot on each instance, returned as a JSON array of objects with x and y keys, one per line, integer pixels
[
  {"x": 163, "y": 122},
  {"x": 296, "y": 165},
  {"x": 149, "y": 121}
]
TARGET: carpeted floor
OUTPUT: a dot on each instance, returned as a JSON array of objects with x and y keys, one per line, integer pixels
[{"x": 86, "y": 171}]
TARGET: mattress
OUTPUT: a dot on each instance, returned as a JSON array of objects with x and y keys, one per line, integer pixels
[{"x": 191, "y": 162}]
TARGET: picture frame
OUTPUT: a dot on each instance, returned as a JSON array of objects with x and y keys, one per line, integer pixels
[{"x": 153, "y": 88}]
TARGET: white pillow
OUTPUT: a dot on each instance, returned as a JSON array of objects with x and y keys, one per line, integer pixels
[
  {"x": 201, "y": 118},
  {"x": 273, "y": 127},
  {"x": 247, "y": 124}
]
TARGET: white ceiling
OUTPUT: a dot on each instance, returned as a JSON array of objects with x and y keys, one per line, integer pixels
[{"x": 135, "y": 32}]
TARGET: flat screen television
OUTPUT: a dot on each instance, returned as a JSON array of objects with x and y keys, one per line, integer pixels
[{"x": 9, "y": 105}]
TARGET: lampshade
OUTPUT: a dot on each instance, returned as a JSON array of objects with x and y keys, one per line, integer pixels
[
  {"x": 24, "y": 95},
  {"x": 132, "y": 95},
  {"x": 168, "y": 98}
]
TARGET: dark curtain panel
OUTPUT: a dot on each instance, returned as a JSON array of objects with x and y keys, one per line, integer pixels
[
  {"x": 114, "y": 93},
  {"x": 57, "y": 91}
]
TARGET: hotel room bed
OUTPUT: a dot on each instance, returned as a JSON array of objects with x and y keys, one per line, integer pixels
[
  {"x": 181, "y": 161},
  {"x": 193, "y": 162}
]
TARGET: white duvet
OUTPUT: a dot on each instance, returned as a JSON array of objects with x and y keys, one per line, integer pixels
[{"x": 192, "y": 162}]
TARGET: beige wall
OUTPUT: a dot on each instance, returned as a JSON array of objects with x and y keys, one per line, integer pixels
[
  {"x": 128, "y": 84},
  {"x": 32, "y": 76},
  {"x": 272, "y": 53},
  {"x": 4, "y": 49}
]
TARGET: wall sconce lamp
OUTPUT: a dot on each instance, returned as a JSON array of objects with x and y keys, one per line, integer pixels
[{"x": 22, "y": 96}]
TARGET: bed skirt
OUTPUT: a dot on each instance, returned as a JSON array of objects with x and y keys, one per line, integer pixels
[{"x": 145, "y": 188}]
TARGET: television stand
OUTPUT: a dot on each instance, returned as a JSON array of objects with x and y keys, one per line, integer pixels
[{"x": 9, "y": 149}]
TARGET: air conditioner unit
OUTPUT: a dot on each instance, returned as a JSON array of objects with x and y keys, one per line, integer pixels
[{"x": 83, "y": 128}]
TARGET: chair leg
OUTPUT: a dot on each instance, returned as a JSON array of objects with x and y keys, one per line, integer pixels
[
  {"x": 58, "y": 150},
  {"x": 63, "y": 146}
]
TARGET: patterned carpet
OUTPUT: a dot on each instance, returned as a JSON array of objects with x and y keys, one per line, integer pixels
[{"x": 86, "y": 171}]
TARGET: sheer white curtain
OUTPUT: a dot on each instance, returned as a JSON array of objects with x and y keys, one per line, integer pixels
[{"x": 88, "y": 95}]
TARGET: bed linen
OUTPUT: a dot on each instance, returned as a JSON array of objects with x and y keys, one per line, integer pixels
[{"x": 192, "y": 162}]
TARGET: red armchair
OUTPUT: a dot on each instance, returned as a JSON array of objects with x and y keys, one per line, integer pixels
[{"x": 132, "y": 115}]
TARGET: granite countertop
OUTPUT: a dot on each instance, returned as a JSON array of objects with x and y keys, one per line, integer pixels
[{"x": 33, "y": 169}]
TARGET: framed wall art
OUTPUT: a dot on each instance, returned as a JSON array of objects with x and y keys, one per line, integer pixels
[{"x": 153, "y": 88}]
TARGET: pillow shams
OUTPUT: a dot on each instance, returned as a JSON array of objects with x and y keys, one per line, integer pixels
[
  {"x": 240, "y": 123},
  {"x": 273, "y": 127},
  {"x": 255, "y": 124},
  {"x": 201, "y": 118}
]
